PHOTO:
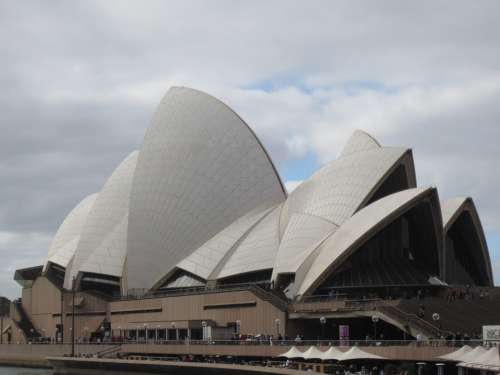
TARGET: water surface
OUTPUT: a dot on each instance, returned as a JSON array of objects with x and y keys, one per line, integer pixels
[{"x": 23, "y": 371}]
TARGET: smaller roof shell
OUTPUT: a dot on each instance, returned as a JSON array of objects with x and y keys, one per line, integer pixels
[
  {"x": 102, "y": 246},
  {"x": 359, "y": 141},
  {"x": 359, "y": 228},
  {"x": 66, "y": 239},
  {"x": 451, "y": 210}
]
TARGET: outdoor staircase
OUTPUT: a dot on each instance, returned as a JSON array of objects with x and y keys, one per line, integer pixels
[
  {"x": 110, "y": 352},
  {"x": 411, "y": 322},
  {"x": 23, "y": 322},
  {"x": 270, "y": 297}
]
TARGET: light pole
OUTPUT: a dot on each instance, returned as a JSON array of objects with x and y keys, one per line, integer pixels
[
  {"x": 436, "y": 317},
  {"x": 204, "y": 330},
  {"x": 420, "y": 368},
  {"x": 175, "y": 331},
  {"x": 322, "y": 321},
  {"x": 277, "y": 322},
  {"x": 73, "y": 291},
  {"x": 375, "y": 321}
]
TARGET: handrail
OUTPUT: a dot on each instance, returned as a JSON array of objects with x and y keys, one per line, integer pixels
[
  {"x": 424, "y": 324},
  {"x": 257, "y": 289},
  {"x": 107, "y": 351}
]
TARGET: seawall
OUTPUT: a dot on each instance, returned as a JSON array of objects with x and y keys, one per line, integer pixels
[
  {"x": 27, "y": 355},
  {"x": 91, "y": 366}
]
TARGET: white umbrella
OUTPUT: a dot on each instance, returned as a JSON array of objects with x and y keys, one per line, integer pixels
[
  {"x": 293, "y": 352},
  {"x": 489, "y": 359},
  {"x": 457, "y": 354},
  {"x": 313, "y": 353},
  {"x": 356, "y": 353},
  {"x": 331, "y": 354},
  {"x": 472, "y": 355}
]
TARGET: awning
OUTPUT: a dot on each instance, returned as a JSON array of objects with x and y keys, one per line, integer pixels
[
  {"x": 331, "y": 354},
  {"x": 457, "y": 354},
  {"x": 489, "y": 360},
  {"x": 472, "y": 355},
  {"x": 293, "y": 352},
  {"x": 313, "y": 353},
  {"x": 356, "y": 353}
]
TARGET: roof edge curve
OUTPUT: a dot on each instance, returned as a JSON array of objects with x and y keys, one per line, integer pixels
[{"x": 282, "y": 185}]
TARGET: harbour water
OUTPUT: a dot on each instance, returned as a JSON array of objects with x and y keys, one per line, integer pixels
[{"x": 23, "y": 371}]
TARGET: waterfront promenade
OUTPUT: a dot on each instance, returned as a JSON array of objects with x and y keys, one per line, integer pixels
[{"x": 36, "y": 354}]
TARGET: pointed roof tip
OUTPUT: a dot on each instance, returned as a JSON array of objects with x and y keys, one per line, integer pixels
[
  {"x": 359, "y": 141},
  {"x": 250, "y": 129}
]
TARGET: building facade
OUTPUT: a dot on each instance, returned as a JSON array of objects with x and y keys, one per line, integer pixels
[{"x": 194, "y": 235}]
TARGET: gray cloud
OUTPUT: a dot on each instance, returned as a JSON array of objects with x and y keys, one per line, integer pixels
[{"x": 80, "y": 82}]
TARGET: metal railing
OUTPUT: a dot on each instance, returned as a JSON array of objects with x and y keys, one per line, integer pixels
[
  {"x": 308, "y": 343},
  {"x": 252, "y": 287}
]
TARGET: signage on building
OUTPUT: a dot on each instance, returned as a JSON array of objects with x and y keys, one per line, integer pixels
[
  {"x": 491, "y": 333},
  {"x": 344, "y": 335}
]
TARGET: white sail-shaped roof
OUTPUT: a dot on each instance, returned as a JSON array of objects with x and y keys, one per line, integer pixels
[
  {"x": 359, "y": 141},
  {"x": 205, "y": 259},
  {"x": 102, "y": 246},
  {"x": 345, "y": 185},
  {"x": 66, "y": 239},
  {"x": 357, "y": 230},
  {"x": 257, "y": 251},
  {"x": 451, "y": 210},
  {"x": 302, "y": 232},
  {"x": 200, "y": 169}
]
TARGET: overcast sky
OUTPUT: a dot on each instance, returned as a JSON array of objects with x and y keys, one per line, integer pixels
[{"x": 80, "y": 81}]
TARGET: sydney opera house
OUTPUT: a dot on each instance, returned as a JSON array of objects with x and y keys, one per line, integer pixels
[{"x": 194, "y": 235}]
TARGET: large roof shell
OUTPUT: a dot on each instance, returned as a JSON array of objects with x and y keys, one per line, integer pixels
[
  {"x": 66, "y": 239},
  {"x": 200, "y": 169},
  {"x": 102, "y": 246},
  {"x": 358, "y": 229},
  {"x": 451, "y": 210}
]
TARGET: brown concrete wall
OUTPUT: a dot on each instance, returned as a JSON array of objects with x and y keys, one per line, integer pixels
[
  {"x": 181, "y": 309},
  {"x": 42, "y": 304}
]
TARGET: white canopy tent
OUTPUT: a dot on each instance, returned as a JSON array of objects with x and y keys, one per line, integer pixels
[
  {"x": 356, "y": 353},
  {"x": 332, "y": 354},
  {"x": 457, "y": 354},
  {"x": 489, "y": 360},
  {"x": 293, "y": 352},
  {"x": 313, "y": 353},
  {"x": 472, "y": 355}
]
